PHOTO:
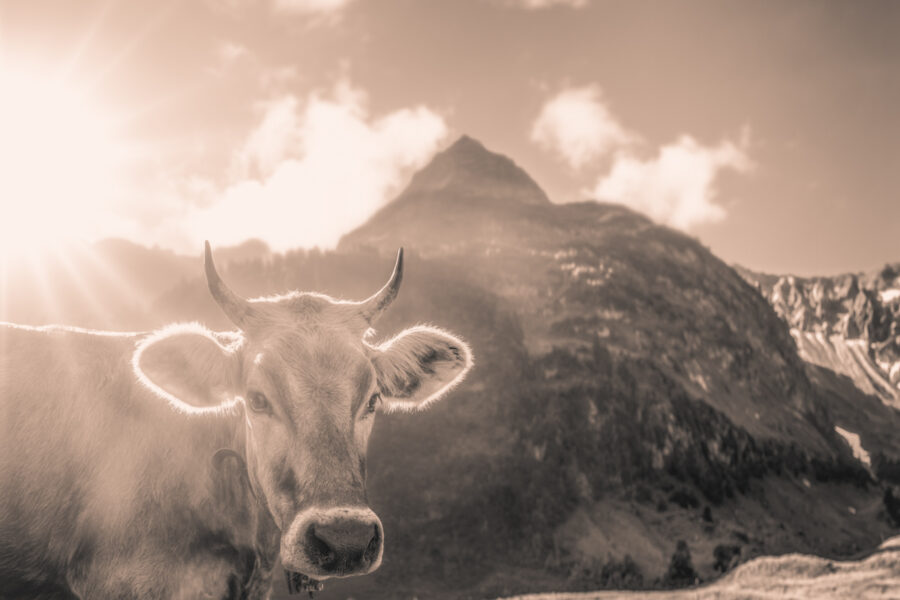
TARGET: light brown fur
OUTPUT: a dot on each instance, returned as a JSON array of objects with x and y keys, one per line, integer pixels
[{"x": 106, "y": 483}]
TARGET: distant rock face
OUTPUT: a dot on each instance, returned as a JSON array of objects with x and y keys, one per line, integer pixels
[
  {"x": 863, "y": 307},
  {"x": 467, "y": 168}
]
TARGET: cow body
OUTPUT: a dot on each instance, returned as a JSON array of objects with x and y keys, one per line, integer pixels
[
  {"x": 185, "y": 463},
  {"x": 109, "y": 493}
]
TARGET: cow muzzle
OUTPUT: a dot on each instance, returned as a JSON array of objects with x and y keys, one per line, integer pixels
[{"x": 333, "y": 542}]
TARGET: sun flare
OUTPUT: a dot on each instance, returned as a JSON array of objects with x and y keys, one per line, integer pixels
[{"x": 58, "y": 162}]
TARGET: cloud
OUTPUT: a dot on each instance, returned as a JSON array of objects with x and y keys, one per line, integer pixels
[
  {"x": 327, "y": 9},
  {"x": 277, "y": 134},
  {"x": 314, "y": 168},
  {"x": 309, "y": 7},
  {"x": 275, "y": 78},
  {"x": 538, "y": 4},
  {"x": 577, "y": 126},
  {"x": 677, "y": 186},
  {"x": 231, "y": 51},
  {"x": 228, "y": 55}
]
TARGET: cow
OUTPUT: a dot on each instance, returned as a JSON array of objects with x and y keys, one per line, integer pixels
[{"x": 184, "y": 463}]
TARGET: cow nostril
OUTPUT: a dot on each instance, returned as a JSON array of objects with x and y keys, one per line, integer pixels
[
  {"x": 374, "y": 545},
  {"x": 319, "y": 550}
]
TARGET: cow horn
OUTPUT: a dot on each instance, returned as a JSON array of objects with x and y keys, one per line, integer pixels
[
  {"x": 373, "y": 307},
  {"x": 235, "y": 308}
]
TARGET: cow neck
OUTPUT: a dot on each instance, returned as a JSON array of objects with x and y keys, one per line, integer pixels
[
  {"x": 267, "y": 535},
  {"x": 233, "y": 448},
  {"x": 237, "y": 497}
]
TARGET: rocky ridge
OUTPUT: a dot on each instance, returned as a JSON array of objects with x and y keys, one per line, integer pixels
[{"x": 850, "y": 323}]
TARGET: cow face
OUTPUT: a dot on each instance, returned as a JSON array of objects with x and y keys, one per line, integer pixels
[{"x": 307, "y": 386}]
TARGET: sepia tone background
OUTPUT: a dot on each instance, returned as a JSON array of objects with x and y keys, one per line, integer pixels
[{"x": 670, "y": 232}]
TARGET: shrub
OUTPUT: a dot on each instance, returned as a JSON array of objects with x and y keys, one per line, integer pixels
[
  {"x": 681, "y": 571},
  {"x": 684, "y": 499},
  {"x": 886, "y": 469},
  {"x": 892, "y": 506},
  {"x": 726, "y": 556},
  {"x": 621, "y": 575},
  {"x": 643, "y": 495},
  {"x": 740, "y": 535},
  {"x": 611, "y": 574}
]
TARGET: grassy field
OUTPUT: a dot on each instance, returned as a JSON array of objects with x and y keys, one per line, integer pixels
[{"x": 790, "y": 576}]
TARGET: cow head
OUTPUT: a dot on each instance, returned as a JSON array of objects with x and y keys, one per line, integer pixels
[{"x": 308, "y": 386}]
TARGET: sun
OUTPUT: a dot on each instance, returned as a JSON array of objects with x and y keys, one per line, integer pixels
[{"x": 59, "y": 161}]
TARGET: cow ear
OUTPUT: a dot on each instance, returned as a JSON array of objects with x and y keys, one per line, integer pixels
[
  {"x": 419, "y": 366},
  {"x": 191, "y": 367}
]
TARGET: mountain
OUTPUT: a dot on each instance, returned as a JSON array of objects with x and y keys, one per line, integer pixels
[
  {"x": 847, "y": 329},
  {"x": 469, "y": 171},
  {"x": 849, "y": 323},
  {"x": 587, "y": 274},
  {"x": 655, "y": 384}
]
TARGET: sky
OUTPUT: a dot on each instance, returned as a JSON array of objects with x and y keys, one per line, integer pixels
[{"x": 768, "y": 130}]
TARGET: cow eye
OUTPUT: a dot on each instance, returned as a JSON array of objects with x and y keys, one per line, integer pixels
[
  {"x": 373, "y": 403},
  {"x": 257, "y": 402}
]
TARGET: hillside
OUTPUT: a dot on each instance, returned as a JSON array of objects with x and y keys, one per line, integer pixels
[
  {"x": 631, "y": 390},
  {"x": 847, "y": 330},
  {"x": 588, "y": 275},
  {"x": 850, "y": 357},
  {"x": 790, "y": 576},
  {"x": 659, "y": 383}
]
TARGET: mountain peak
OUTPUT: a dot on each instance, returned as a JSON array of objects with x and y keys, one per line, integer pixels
[
  {"x": 468, "y": 196},
  {"x": 465, "y": 143},
  {"x": 467, "y": 168}
]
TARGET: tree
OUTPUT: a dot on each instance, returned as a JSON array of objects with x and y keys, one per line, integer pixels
[
  {"x": 681, "y": 571},
  {"x": 726, "y": 556},
  {"x": 892, "y": 506}
]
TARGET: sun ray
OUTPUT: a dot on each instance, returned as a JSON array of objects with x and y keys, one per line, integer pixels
[
  {"x": 151, "y": 25},
  {"x": 87, "y": 255},
  {"x": 45, "y": 295},
  {"x": 99, "y": 315},
  {"x": 4, "y": 289},
  {"x": 87, "y": 38}
]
